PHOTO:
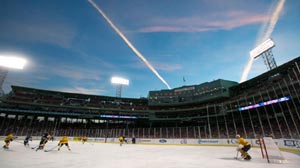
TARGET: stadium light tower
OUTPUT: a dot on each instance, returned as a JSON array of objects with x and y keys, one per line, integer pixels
[
  {"x": 119, "y": 82},
  {"x": 265, "y": 50},
  {"x": 9, "y": 62}
]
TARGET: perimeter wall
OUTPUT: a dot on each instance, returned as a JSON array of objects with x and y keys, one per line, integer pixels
[{"x": 292, "y": 145}]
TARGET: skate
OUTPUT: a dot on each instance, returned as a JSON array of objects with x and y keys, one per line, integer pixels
[{"x": 248, "y": 157}]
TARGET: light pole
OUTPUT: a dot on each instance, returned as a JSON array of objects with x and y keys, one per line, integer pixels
[
  {"x": 119, "y": 82},
  {"x": 264, "y": 50},
  {"x": 9, "y": 62}
]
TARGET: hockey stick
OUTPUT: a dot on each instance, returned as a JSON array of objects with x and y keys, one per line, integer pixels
[
  {"x": 51, "y": 149},
  {"x": 35, "y": 147},
  {"x": 21, "y": 142},
  {"x": 90, "y": 143},
  {"x": 18, "y": 142},
  {"x": 39, "y": 146},
  {"x": 237, "y": 154}
]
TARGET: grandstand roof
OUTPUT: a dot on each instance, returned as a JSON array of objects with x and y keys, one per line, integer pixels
[
  {"x": 73, "y": 95},
  {"x": 263, "y": 78}
]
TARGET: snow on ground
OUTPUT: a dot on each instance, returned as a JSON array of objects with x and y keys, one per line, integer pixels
[{"x": 109, "y": 155}]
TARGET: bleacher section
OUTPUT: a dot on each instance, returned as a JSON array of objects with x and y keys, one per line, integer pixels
[{"x": 267, "y": 105}]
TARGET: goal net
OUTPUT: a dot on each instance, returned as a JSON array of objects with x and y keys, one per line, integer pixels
[{"x": 270, "y": 150}]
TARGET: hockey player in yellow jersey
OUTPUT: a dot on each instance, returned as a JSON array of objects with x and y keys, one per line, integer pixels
[
  {"x": 7, "y": 140},
  {"x": 121, "y": 139},
  {"x": 64, "y": 141},
  {"x": 244, "y": 147},
  {"x": 84, "y": 139}
]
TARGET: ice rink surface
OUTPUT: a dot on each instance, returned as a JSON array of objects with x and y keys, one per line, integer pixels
[{"x": 100, "y": 155}]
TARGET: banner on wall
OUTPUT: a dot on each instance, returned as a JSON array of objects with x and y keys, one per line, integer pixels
[
  {"x": 208, "y": 141},
  {"x": 292, "y": 143}
]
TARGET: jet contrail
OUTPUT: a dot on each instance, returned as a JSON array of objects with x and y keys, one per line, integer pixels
[
  {"x": 247, "y": 70},
  {"x": 129, "y": 43},
  {"x": 263, "y": 28},
  {"x": 274, "y": 19},
  {"x": 271, "y": 25}
]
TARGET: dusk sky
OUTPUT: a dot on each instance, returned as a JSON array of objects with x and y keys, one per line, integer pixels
[{"x": 70, "y": 47}]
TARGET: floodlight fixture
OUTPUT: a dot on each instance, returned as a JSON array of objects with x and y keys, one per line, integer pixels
[
  {"x": 8, "y": 61},
  {"x": 12, "y": 62},
  {"x": 119, "y": 81},
  {"x": 263, "y": 47}
]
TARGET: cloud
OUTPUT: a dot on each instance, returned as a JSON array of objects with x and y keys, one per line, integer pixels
[
  {"x": 159, "y": 66},
  {"x": 53, "y": 32},
  {"x": 41, "y": 77},
  {"x": 94, "y": 59},
  {"x": 71, "y": 72},
  {"x": 10, "y": 80},
  {"x": 43, "y": 73},
  {"x": 173, "y": 29},
  {"x": 218, "y": 21},
  {"x": 167, "y": 66}
]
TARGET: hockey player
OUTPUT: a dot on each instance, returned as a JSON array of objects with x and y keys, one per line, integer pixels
[
  {"x": 84, "y": 139},
  {"x": 125, "y": 139},
  {"x": 26, "y": 140},
  {"x": 244, "y": 147},
  {"x": 133, "y": 139},
  {"x": 7, "y": 140},
  {"x": 121, "y": 139},
  {"x": 63, "y": 141},
  {"x": 43, "y": 141}
]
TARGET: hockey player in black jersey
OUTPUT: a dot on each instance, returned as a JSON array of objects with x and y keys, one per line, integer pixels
[
  {"x": 43, "y": 141},
  {"x": 26, "y": 140}
]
